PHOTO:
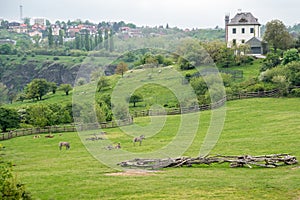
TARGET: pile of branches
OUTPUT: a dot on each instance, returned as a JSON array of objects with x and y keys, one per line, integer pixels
[{"x": 268, "y": 161}]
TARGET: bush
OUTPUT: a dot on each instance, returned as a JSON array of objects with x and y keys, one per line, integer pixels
[
  {"x": 296, "y": 92},
  {"x": 55, "y": 58},
  {"x": 10, "y": 187},
  {"x": 290, "y": 56},
  {"x": 271, "y": 60}
]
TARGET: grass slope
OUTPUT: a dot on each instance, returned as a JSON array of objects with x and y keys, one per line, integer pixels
[{"x": 253, "y": 126}]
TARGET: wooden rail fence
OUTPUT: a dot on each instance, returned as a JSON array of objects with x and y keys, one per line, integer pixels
[{"x": 64, "y": 128}]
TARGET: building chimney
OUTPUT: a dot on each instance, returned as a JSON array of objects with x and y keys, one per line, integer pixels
[{"x": 226, "y": 26}]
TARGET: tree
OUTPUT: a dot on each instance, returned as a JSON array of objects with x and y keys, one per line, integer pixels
[
  {"x": 61, "y": 37},
  {"x": 135, "y": 98},
  {"x": 37, "y": 88},
  {"x": 111, "y": 41},
  {"x": 77, "y": 41},
  {"x": 6, "y": 48},
  {"x": 41, "y": 115},
  {"x": 50, "y": 37},
  {"x": 100, "y": 39},
  {"x": 53, "y": 87},
  {"x": 103, "y": 83},
  {"x": 27, "y": 21},
  {"x": 277, "y": 35},
  {"x": 3, "y": 93},
  {"x": 87, "y": 40},
  {"x": 121, "y": 68},
  {"x": 66, "y": 88},
  {"x": 36, "y": 39},
  {"x": 9, "y": 118},
  {"x": 48, "y": 22},
  {"x": 106, "y": 39}
]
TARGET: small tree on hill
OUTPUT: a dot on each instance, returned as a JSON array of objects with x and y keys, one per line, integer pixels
[
  {"x": 103, "y": 83},
  {"x": 53, "y": 87},
  {"x": 37, "y": 88},
  {"x": 66, "y": 88},
  {"x": 135, "y": 98},
  {"x": 121, "y": 68}
]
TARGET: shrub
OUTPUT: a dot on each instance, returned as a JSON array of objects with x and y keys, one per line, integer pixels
[
  {"x": 10, "y": 187},
  {"x": 55, "y": 58},
  {"x": 290, "y": 56},
  {"x": 296, "y": 92}
]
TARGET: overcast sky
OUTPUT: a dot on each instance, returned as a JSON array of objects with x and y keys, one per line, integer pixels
[{"x": 180, "y": 13}]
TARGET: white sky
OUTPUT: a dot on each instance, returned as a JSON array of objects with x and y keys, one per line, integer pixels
[{"x": 180, "y": 13}]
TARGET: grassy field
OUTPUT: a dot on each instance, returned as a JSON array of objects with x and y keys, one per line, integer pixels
[{"x": 253, "y": 126}]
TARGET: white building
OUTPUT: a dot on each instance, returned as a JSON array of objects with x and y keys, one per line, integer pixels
[{"x": 244, "y": 28}]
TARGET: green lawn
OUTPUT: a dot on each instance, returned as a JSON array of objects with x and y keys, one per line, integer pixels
[{"x": 253, "y": 126}]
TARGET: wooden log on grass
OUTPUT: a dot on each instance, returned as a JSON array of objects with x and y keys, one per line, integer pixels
[{"x": 267, "y": 161}]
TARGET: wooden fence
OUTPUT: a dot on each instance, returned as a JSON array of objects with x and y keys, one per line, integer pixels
[
  {"x": 218, "y": 104},
  {"x": 64, "y": 128}
]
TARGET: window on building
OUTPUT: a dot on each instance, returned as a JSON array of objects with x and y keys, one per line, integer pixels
[
  {"x": 243, "y": 41},
  {"x": 251, "y": 30},
  {"x": 243, "y": 30},
  {"x": 234, "y": 42},
  {"x": 234, "y": 30}
]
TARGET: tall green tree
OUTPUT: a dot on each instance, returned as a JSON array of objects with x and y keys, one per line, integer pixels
[
  {"x": 111, "y": 41},
  {"x": 77, "y": 41},
  {"x": 9, "y": 118},
  {"x": 106, "y": 46},
  {"x": 277, "y": 35},
  {"x": 61, "y": 37},
  {"x": 100, "y": 39},
  {"x": 87, "y": 40},
  {"x": 50, "y": 37}
]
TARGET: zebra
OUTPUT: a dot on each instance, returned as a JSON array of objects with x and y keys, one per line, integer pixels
[
  {"x": 66, "y": 144},
  {"x": 139, "y": 139}
]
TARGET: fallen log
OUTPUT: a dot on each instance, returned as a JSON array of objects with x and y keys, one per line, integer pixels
[{"x": 267, "y": 161}]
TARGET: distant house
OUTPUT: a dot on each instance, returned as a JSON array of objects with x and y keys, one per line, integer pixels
[
  {"x": 55, "y": 29},
  {"x": 17, "y": 27},
  {"x": 72, "y": 30},
  {"x": 35, "y": 32},
  {"x": 244, "y": 28}
]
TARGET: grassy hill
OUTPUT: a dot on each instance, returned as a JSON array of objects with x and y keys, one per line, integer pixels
[
  {"x": 254, "y": 126},
  {"x": 152, "y": 93}
]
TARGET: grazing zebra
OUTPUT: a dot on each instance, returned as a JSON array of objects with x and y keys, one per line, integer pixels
[
  {"x": 66, "y": 144},
  {"x": 139, "y": 139}
]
